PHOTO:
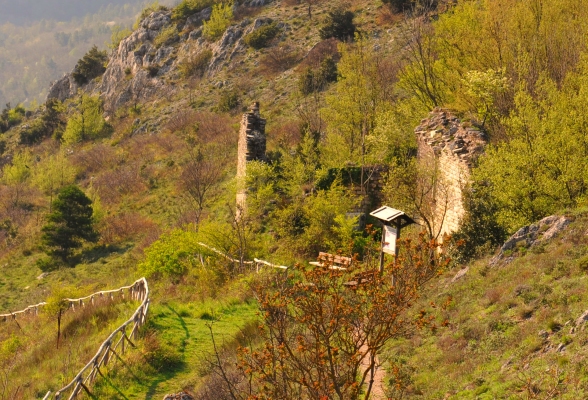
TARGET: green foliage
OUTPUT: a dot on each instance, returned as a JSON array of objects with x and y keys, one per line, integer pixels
[
  {"x": 172, "y": 255},
  {"x": 69, "y": 225},
  {"x": 219, "y": 21},
  {"x": 261, "y": 37},
  {"x": 313, "y": 81},
  {"x": 90, "y": 66},
  {"x": 542, "y": 167},
  {"x": 11, "y": 117},
  {"x": 195, "y": 65},
  {"x": 53, "y": 173},
  {"x": 87, "y": 122},
  {"x": 166, "y": 36},
  {"x": 229, "y": 100},
  {"x": 189, "y": 7},
  {"x": 352, "y": 113},
  {"x": 479, "y": 232},
  {"x": 19, "y": 171},
  {"x": 50, "y": 121},
  {"x": 339, "y": 25}
]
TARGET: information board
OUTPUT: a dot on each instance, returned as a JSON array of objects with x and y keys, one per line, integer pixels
[{"x": 390, "y": 235}]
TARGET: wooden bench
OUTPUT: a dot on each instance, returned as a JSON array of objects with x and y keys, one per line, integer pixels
[
  {"x": 332, "y": 261},
  {"x": 361, "y": 277}
]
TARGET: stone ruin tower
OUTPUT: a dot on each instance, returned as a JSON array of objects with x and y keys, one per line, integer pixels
[
  {"x": 448, "y": 147},
  {"x": 251, "y": 147}
]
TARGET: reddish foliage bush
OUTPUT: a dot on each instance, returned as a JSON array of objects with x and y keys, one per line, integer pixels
[
  {"x": 122, "y": 181},
  {"x": 322, "y": 50},
  {"x": 127, "y": 226},
  {"x": 95, "y": 159}
]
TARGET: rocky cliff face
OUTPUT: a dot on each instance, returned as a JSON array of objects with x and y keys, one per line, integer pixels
[{"x": 138, "y": 69}]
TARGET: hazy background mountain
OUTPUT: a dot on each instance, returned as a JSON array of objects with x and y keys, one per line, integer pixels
[{"x": 41, "y": 40}]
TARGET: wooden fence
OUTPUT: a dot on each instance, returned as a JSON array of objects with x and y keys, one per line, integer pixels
[
  {"x": 113, "y": 347},
  {"x": 257, "y": 262}
]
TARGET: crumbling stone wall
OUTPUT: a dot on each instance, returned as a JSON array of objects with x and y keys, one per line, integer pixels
[
  {"x": 251, "y": 147},
  {"x": 448, "y": 147}
]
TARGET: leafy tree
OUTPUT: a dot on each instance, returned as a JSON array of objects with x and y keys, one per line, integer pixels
[
  {"x": 70, "y": 224},
  {"x": 90, "y": 66},
  {"x": 87, "y": 122},
  {"x": 363, "y": 91},
  {"x": 339, "y": 25},
  {"x": 542, "y": 166},
  {"x": 219, "y": 21},
  {"x": 52, "y": 174},
  {"x": 16, "y": 175}
]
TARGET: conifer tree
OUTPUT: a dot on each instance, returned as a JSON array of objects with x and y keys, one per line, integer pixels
[{"x": 70, "y": 223}]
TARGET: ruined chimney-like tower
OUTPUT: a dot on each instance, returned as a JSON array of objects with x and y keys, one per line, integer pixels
[{"x": 251, "y": 148}]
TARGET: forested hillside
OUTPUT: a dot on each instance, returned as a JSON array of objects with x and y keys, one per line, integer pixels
[{"x": 231, "y": 154}]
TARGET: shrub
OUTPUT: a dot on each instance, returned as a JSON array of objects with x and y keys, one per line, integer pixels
[
  {"x": 316, "y": 80},
  {"x": 45, "y": 126},
  {"x": 219, "y": 21},
  {"x": 281, "y": 59},
  {"x": 166, "y": 36},
  {"x": 229, "y": 100},
  {"x": 172, "y": 255},
  {"x": 90, "y": 66},
  {"x": 195, "y": 65},
  {"x": 339, "y": 25},
  {"x": 261, "y": 37},
  {"x": 189, "y": 7}
]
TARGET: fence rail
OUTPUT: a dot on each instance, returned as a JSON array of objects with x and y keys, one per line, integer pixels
[
  {"x": 81, "y": 302},
  {"x": 113, "y": 346},
  {"x": 257, "y": 262}
]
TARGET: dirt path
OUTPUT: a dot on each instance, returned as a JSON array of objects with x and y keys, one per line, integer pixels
[{"x": 378, "y": 391}]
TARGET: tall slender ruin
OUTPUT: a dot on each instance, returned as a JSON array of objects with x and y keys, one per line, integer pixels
[
  {"x": 251, "y": 147},
  {"x": 448, "y": 147}
]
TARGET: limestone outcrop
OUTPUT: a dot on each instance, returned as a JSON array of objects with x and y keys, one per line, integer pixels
[{"x": 531, "y": 235}]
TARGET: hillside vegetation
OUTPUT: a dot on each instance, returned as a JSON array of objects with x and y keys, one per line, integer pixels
[{"x": 148, "y": 133}]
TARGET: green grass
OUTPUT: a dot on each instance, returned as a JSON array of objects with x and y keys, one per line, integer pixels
[
  {"x": 176, "y": 347},
  {"x": 491, "y": 347}
]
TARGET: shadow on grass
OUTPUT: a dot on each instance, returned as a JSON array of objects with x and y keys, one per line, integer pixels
[
  {"x": 96, "y": 253},
  {"x": 173, "y": 370}
]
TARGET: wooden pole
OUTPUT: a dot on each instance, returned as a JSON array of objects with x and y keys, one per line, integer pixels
[{"x": 382, "y": 249}]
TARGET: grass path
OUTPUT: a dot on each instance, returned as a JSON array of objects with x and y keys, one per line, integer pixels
[{"x": 180, "y": 333}]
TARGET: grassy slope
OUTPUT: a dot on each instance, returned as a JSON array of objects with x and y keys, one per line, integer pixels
[{"x": 492, "y": 347}]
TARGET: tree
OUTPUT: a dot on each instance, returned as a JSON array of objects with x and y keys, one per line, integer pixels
[
  {"x": 321, "y": 334},
  {"x": 87, "y": 122},
  {"x": 17, "y": 174},
  {"x": 90, "y": 66},
  {"x": 363, "y": 91},
  {"x": 52, "y": 174},
  {"x": 219, "y": 21},
  {"x": 202, "y": 173},
  {"x": 70, "y": 223},
  {"x": 339, "y": 25}
]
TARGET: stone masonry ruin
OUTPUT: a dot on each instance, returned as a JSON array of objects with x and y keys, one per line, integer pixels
[
  {"x": 251, "y": 147},
  {"x": 450, "y": 148}
]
